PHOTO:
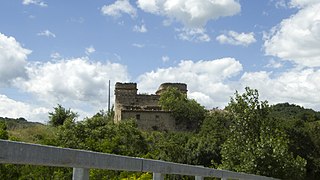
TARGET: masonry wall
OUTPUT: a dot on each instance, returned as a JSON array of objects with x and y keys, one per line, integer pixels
[
  {"x": 151, "y": 120},
  {"x": 144, "y": 108}
]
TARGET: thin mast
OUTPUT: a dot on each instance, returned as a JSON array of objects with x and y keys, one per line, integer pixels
[{"x": 109, "y": 98}]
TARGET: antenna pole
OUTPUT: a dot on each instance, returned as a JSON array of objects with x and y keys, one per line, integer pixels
[{"x": 109, "y": 98}]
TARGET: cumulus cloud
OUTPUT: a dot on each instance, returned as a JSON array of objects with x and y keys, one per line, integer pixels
[
  {"x": 90, "y": 50},
  {"x": 13, "y": 59},
  {"x": 191, "y": 13},
  {"x": 207, "y": 80},
  {"x": 118, "y": 8},
  {"x": 295, "y": 86},
  {"x": 76, "y": 80},
  {"x": 35, "y": 2},
  {"x": 46, "y": 33},
  {"x": 235, "y": 38},
  {"x": 141, "y": 29},
  {"x": 16, "y": 109},
  {"x": 297, "y": 38},
  {"x": 213, "y": 82},
  {"x": 193, "y": 34}
]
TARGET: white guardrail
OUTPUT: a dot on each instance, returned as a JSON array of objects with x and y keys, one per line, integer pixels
[{"x": 81, "y": 161}]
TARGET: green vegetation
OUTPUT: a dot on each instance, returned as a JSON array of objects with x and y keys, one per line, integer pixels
[
  {"x": 60, "y": 115},
  {"x": 281, "y": 141},
  {"x": 3, "y": 130},
  {"x": 256, "y": 144},
  {"x": 188, "y": 113}
]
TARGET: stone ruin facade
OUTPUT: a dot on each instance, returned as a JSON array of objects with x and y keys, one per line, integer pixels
[{"x": 144, "y": 108}]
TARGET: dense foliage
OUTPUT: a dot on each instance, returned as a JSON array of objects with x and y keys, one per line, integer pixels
[
  {"x": 60, "y": 115},
  {"x": 187, "y": 112},
  {"x": 256, "y": 144},
  {"x": 249, "y": 136},
  {"x": 3, "y": 130}
]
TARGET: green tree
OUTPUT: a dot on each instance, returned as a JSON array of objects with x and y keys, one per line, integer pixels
[
  {"x": 256, "y": 145},
  {"x": 187, "y": 112},
  {"x": 3, "y": 130},
  {"x": 204, "y": 148},
  {"x": 302, "y": 128},
  {"x": 60, "y": 115},
  {"x": 169, "y": 146}
]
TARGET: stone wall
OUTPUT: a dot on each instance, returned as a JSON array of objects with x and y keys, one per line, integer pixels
[
  {"x": 144, "y": 108},
  {"x": 180, "y": 86},
  {"x": 151, "y": 120}
]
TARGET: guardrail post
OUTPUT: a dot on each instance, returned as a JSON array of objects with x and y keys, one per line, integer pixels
[
  {"x": 198, "y": 178},
  {"x": 80, "y": 174},
  {"x": 158, "y": 176}
]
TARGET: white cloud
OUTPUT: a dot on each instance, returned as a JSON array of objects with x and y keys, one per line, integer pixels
[
  {"x": 46, "y": 33},
  {"x": 294, "y": 86},
  {"x": 207, "y": 80},
  {"x": 35, "y": 2},
  {"x": 274, "y": 64},
  {"x": 280, "y": 3},
  {"x": 191, "y": 13},
  {"x": 193, "y": 34},
  {"x": 138, "y": 45},
  {"x": 118, "y": 8},
  {"x": 297, "y": 39},
  {"x": 55, "y": 55},
  {"x": 16, "y": 109},
  {"x": 303, "y": 3},
  {"x": 74, "y": 80},
  {"x": 212, "y": 83},
  {"x": 79, "y": 84},
  {"x": 141, "y": 29},
  {"x": 234, "y": 38},
  {"x": 293, "y": 3},
  {"x": 13, "y": 59},
  {"x": 165, "y": 58},
  {"x": 90, "y": 50}
]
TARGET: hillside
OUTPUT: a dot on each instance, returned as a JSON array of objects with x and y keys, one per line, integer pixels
[
  {"x": 18, "y": 123},
  {"x": 286, "y": 111}
]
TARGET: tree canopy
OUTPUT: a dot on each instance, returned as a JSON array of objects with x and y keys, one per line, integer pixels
[
  {"x": 60, "y": 115},
  {"x": 187, "y": 112},
  {"x": 256, "y": 145},
  {"x": 3, "y": 130}
]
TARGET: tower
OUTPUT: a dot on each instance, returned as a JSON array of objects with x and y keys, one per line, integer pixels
[{"x": 125, "y": 94}]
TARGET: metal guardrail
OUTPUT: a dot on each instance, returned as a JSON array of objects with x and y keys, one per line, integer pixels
[{"x": 81, "y": 161}]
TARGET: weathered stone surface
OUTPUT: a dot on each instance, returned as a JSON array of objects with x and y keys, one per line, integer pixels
[{"x": 144, "y": 108}]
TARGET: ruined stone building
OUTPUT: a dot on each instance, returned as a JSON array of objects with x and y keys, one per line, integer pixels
[{"x": 144, "y": 108}]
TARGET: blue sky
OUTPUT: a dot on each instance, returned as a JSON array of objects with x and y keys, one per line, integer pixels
[{"x": 66, "y": 51}]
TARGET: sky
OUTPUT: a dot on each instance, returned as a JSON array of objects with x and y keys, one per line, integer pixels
[{"x": 65, "y": 52}]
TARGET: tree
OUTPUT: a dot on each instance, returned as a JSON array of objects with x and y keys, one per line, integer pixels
[
  {"x": 3, "y": 130},
  {"x": 302, "y": 128},
  {"x": 205, "y": 147},
  {"x": 187, "y": 112},
  {"x": 60, "y": 115},
  {"x": 256, "y": 145}
]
